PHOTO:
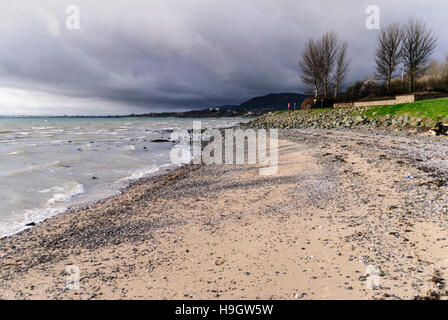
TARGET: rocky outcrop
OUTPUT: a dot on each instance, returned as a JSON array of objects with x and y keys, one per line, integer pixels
[
  {"x": 440, "y": 129},
  {"x": 337, "y": 118}
]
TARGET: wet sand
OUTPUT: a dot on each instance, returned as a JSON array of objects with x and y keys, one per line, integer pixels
[{"x": 349, "y": 215}]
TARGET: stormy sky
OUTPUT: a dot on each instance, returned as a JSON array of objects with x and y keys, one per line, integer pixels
[{"x": 163, "y": 55}]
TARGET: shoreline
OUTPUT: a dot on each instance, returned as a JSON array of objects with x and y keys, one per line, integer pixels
[
  {"x": 71, "y": 185},
  {"x": 86, "y": 203},
  {"x": 341, "y": 199}
]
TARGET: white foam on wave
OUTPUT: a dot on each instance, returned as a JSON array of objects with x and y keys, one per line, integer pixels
[
  {"x": 52, "y": 207},
  {"x": 42, "y": 128},
  {"x": 65, "y": 192},
  {"x": 129, "y": 148},
  {"x": 28, "y": 216},
  {"x": 18, "y": 153},
  {"x": 52, "y": 131},
  {"x": 229, "y": 125},
  {"x": 140, "y": 174},
  {"x": 45, "y": 166}
]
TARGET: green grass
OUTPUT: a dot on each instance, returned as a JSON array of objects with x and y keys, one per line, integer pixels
[
  {"x": 435, "y": 109},
  {"x": 281, "y": 111},
  {"x": 295, "y": 111},
  {"x": 286, "y": 111},
  {"x": 320, "y": 110}
]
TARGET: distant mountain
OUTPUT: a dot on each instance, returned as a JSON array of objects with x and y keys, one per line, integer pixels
[
  {"x": 254, "y": 107},
  {"x": 274, "y": 101}
]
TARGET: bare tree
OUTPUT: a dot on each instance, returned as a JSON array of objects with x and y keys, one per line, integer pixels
[
  {"x": 418, "y": 45},
  {"x": 387, "y": 53},
  {"x": 342, "y": 65},
  {"x": 329, "y": 49},
  {"x": 318, "y": 63},
  {"x": 311, "y": 65}
]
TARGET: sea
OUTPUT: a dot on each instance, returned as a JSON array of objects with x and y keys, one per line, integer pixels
[{"x": 50, "y": 164}]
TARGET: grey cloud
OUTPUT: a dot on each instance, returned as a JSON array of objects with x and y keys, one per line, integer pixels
[{"x": 171, "y": 54}]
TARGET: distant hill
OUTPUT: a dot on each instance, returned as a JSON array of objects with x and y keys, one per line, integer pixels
[
  {"x": 254, "y": 107},
  {"x": 274, "y": 101}
]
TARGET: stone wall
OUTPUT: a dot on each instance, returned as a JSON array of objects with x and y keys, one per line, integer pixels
[
  {"x": 343, "y": 105},
  {"x": 374, "y": 103},
  {"x": 405, "y": 99},
  {"x": 430, "y": 95},
  {"x": 398, "y": 99}
]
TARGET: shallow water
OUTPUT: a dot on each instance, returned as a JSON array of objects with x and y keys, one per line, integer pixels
[{"x": 49, "y": 164}]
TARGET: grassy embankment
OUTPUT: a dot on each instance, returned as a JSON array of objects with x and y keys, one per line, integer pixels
[
  {"x": 423, "y": 114},
  {"x": 435, "y": 109}
]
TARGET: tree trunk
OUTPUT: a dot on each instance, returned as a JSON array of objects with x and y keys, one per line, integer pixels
[{"x": 411, "y": 83}]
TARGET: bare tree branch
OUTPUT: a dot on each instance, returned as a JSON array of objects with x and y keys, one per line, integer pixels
[
  {"x": 387, "y": 52},
  {"x": 324, "y": 64},
  {"x": 329, "y": 48},
  {"x": 342, "y": 65},
  {"x": 311, "y": 64},
  {"x": 418, "y": 45}
]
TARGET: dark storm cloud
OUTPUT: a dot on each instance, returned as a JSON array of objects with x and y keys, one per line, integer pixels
[{"x": 158, "y": 55}]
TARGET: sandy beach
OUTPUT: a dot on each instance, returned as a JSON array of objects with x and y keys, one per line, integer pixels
[{"x": 357, "y": 214}]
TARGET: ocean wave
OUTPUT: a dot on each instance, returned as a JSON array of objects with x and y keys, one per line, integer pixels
[
  {"x": 16, "y": 153},
  {"x": 46, "y": 166},
  {"x": 52, "y": 131},
  {"x": 65, "y": 192},
  {"x": 6, "y": 141},
  {"x": 129, "y": 148},
  {"x": 140, "y": 174},
  {"x": 25, "y": 217},
  {"x": 42, "y": 128}
]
